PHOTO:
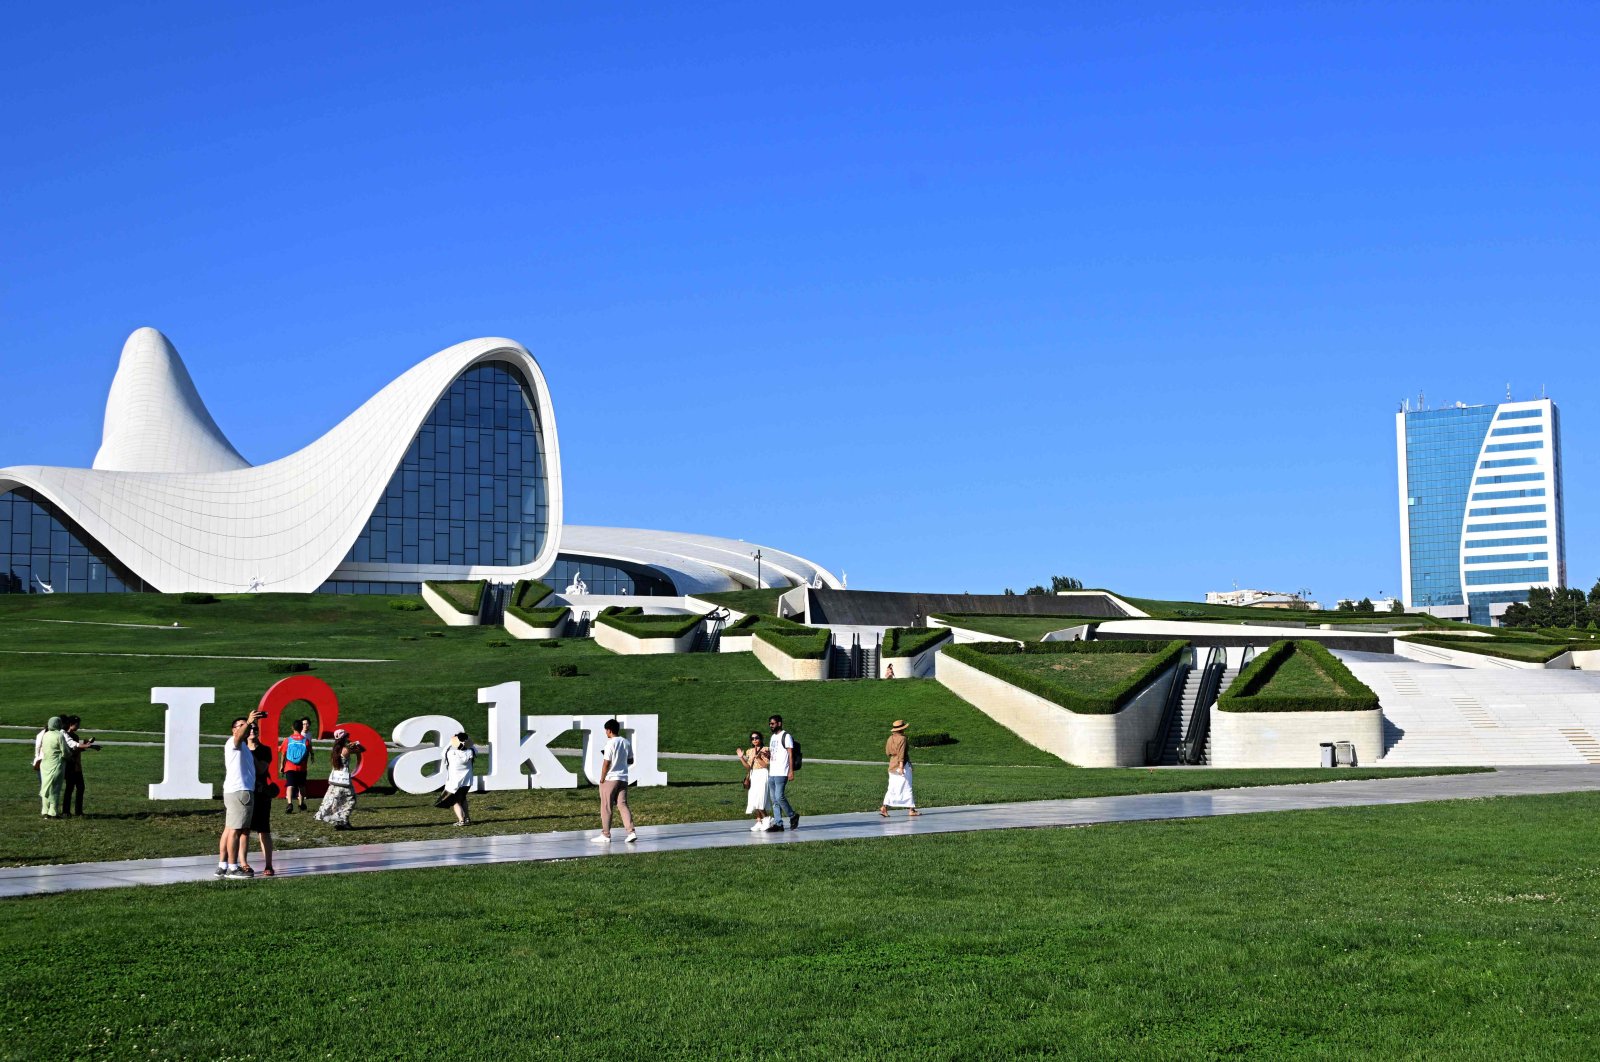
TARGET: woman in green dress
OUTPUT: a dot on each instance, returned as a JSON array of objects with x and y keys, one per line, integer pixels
[{"x": 52, "y": 769}]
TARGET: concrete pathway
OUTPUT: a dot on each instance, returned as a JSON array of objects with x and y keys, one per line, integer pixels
[{"x": 1087, "y": 811}]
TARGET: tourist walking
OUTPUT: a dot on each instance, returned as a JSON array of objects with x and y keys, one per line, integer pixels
[
  {"x": 340, "y": 800},
  {"x": 459, "y": 760},
  {"x": 780, "y": 772},
  {"x": 898, "y": 749},
  {"x": 260, "y": 807},
  {"x": 614, "y": 762},
  {"x": 238, "y": 797},
  {"x": 50, "y": 758},
  {"x": 293, "y": 762},
  {"x": 755, "y": 759}
]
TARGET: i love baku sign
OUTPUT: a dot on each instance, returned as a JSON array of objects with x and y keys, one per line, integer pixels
[{"x": 515, "y": 742}]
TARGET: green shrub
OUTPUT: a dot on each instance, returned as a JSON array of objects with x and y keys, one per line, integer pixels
[
  {"x": 550, "y": 643},
  {"x": 434, "y": 634},
  {"x": 407, "y": 638},
  {"x": 287, "y": 667},
  {"x": 909, "y": 641},
  {"x": 803, "y": 643},
  {"x": 497, "y": 643},
  {"x": 989, "y": 657},
  {"x": 527, "y": 593},
  {"x": 563, "y": 670},
  {"x": 633, "y": 621},
  {"x": 539, "y": 617},
  {"x": 685, "y": 678},
  {"x": 1251, "y": 691},
  {"x": 407, "y": 605},
  {"x": 465, "y": 596},
  {"x": 195, "y": 598},
  {"x": 928, "y": 741}
]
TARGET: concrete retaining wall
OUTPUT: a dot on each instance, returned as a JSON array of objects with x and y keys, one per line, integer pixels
[
  {"x": 445, "y": 610},
  {"x": 787, "y": 667},
  {"x": 521, "y": 628},
  {"x": 1085, "y": 740},
  {"x": 624, "y": 644},
  {"x": 736, "y": 644},
  {"x": 923, "y": 665},
  {"x": 1292, "y": 739}
]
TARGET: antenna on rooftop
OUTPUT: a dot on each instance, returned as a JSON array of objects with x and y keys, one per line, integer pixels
[
  {"x": 1422, "y": 402},
  {"x": 1508, "y": 390}
]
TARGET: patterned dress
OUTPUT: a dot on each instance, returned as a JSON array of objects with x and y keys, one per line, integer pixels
[{"x": 340, "y": 800}]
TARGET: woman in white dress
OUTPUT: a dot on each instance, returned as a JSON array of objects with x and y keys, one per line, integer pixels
[
  {"x": 459, "y": 760},
  {"x": 756, "y": 759},
  {"x": 898, "y": 749}
]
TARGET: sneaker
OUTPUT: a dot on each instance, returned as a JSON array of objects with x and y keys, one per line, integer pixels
[
  {"x": 288, "y": 809},
  {"x": 632, "y": 837},
  {"x": 776, "y": 827},
  {"x": 758, "y": 825},
  {"x": 222, "y": 872},
  {"x": 599, "y": 838},
  {"x": 248, "y": 872},
  {"x": 794, "y": 822},
  {"x": 237, "y": 872}
]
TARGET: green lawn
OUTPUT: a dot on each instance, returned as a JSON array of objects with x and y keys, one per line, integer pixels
[
  {"x": 1453, "y": 930},
  {"x": 1300, "y": 676},
  {"x": 707, "y": 702},
  {"x": 1022, "y": 628},
  {"x": 1091, "y": 675},
  {"x": 1179, "y": 610},
  {"x": 122, "y": 823}
]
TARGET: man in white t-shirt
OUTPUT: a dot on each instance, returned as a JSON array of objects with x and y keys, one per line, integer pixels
[
  {"x": 614, "y": 761},
  {"x": 780, "y": 772},
  {"x": 238, "y": 796}
]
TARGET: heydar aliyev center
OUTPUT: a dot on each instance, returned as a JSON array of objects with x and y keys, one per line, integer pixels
[{"x": 453, "y": 471}]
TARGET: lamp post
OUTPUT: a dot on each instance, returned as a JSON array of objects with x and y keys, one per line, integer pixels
[{"x": 757, "y": 556}]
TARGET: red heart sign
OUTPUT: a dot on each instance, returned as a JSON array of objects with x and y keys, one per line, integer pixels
[{"x": 318, "y": 694}]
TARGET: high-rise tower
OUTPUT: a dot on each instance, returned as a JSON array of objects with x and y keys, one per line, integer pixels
[{"x": 1480, "y": 506}]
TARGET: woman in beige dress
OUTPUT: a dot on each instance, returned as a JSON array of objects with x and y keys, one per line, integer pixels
[{"x": 898, "y": 749}]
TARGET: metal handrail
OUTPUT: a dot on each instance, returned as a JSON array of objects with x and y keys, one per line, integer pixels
[
  {"x": 1172, "y": 710},
  {"x": 1194, "y": 742}
]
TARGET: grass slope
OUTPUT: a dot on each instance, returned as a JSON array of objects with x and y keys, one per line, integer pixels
[
  {"x": 1022, "y": 628},
  {"x": 752, "y": 602},
  {"x": 1457, "y": 930}
]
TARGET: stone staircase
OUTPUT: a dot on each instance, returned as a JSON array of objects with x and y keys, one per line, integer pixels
[{"x": 1441, "y": 716}]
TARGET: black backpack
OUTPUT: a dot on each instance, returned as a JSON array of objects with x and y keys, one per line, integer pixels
[{"x": 795, "y": 757}]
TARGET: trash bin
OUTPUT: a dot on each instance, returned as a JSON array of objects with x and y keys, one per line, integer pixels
[
  {"x": 1344, "y": 753},
  {"x": 1327, "y": 753}
]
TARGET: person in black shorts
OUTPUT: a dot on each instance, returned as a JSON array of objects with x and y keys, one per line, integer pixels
[{"x": 261, "y": 807}]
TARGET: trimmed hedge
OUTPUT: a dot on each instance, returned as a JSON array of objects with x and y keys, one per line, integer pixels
[
  {"x": 539, "y": 617},
  {"x": 407, "y": 605},
  {"x": 804, "y": 643},
  {"x": 1526, "y": 650},
  {"x": 988, "y": 658},
  {"x": 751, "y": 623},
  {"x": 527, "y": 593},
  {"x": 909, "y": 641},
  {"x": 634, "y": 622},
  {"x": 563, "y": 670},
  {"x": 195, "y": 597},
  {"x": 1250, "y": 691},
  {"x": 287, "y": 667},
  {"x": 465, "y": 596}
]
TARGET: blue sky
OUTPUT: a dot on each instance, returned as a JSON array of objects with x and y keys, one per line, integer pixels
[{"x": 948, "y": 297}]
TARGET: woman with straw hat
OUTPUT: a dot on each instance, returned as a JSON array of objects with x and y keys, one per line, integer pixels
[{"x": 898, "y": 749}]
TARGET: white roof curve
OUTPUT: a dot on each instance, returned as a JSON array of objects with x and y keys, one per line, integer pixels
[
  {"x": 156, "y": 420},
  {"x": 287, "y": 523}
]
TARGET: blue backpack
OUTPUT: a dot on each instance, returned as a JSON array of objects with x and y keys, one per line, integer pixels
[{"x": 297, "y": 749}]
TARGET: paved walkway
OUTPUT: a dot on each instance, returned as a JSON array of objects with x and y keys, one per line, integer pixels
[{"x": 1087, "y": 811}]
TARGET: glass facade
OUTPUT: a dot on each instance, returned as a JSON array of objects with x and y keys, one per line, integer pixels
[
  {"x": 367, "y": 586},
  {"x": 43, "y": 551},
  {"x": 1442, "y": 448},
  {"x": 472, "y": 487},
  {"x": 609, "y": 577}
]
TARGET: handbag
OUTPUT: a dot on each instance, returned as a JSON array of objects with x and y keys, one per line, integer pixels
[
  {"x": 747, "y": 780},
  {"x": 339, "y": 776}
]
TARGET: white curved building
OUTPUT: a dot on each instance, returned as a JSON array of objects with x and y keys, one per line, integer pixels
[{"x": 453, "y": 471}]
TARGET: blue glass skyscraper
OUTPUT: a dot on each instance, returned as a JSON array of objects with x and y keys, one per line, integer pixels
[{"x": 1480, "y": 506}]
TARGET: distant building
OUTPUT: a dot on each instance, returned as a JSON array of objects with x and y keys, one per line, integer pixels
[
  {"x": 1258, "y": 599},
  {"x": 1480, "y": 506},
  {"x": 1382, "y": 604}
]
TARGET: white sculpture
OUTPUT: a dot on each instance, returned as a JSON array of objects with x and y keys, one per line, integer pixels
[
  {"x": 256, "y": 584},
  {"x": 46, "y": 587},
  {"x": 577, "y": 586}
]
